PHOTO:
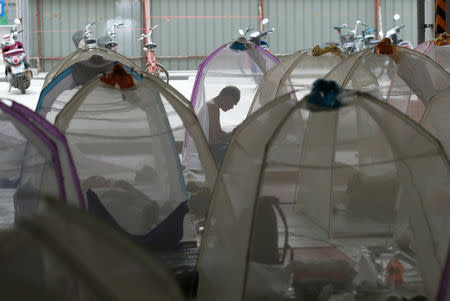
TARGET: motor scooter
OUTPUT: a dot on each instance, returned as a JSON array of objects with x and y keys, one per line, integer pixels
[
  {"x": 349, "y": 40},
  {"x": 370, "y": 41},
  {"x": 394, "y": 32},
  {"x": 17, "y": 68},
  {"x": 257, "y": 37}
]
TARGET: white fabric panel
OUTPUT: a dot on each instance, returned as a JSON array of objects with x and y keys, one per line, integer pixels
[{"x": 296, "y": 72}]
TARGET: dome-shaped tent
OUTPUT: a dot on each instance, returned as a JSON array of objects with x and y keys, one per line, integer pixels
[
  {"x": 240, "y": 64},
  {"x": 124, "y": 142},
  {"x": 84, "y": 54},
  {"x": 296, "y": 72},
  {"x": 63, "y": 254},
  {"x": 405, "y": 78},
  {"x": 438, "y": 50},
  {"x": 35, "y": 160},
  {"x": 355, "y": 176},
  {"x": 436, "y": 118},
  {"x": 65, "y": 84}
]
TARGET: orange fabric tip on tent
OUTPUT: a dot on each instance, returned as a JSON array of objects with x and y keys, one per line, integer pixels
[
  {"x": 385, "y": 47},
  {"x": 442, "y": 39},
  {"x": 394, "y": 272},
  {"x": 120, "y": 77}
]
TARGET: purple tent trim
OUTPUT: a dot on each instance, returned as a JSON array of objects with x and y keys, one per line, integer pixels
[
  {"x": 445, "y": 280},
  {"x": 200, "y": 72},
  {"x": 55, "y": 157},
  {"x": 58, "y": 135}
]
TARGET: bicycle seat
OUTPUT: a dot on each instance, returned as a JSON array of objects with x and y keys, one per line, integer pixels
[
  {"x": 150, "y": 45},
  {"x": 91, "y": 41},
  {"x": 110, "y": 44}
]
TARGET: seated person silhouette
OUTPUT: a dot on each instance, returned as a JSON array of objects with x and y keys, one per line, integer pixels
[{"x": 218, "y": 139}]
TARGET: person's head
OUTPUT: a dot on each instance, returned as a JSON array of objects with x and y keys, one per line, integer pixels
[{"x": 228, "y": 98}]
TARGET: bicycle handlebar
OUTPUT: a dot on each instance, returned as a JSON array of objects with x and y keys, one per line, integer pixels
[
  {"x": 89, "y": 25},
  {"x": 144, "y": 36}
]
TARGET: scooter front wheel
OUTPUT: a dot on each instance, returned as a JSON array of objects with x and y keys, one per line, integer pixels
[{"x": 21, "y": 85}]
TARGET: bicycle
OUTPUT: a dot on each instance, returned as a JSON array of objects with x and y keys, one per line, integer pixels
[
  {"x": 85, "y": 37},
  {"x": 109, "y": 41},
  {"x": 152, "y": 66}
]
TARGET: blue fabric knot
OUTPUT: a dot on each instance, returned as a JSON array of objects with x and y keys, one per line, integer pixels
[
  {"x": 324, "y": 94},
  {"x": 238, "y": 46}
]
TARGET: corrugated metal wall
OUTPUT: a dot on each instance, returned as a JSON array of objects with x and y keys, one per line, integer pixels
[
  {"x": 60, "y": 18},
  {"x": 306, "y": 23},
  {"x": 191, "y": 29},
  {"x": 198, "y": 27}
]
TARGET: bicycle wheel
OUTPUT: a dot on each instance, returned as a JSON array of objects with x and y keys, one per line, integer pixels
[{"x": 162, "y": 69}]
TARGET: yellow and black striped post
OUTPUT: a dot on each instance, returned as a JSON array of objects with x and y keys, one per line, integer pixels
[{"x": 440, "y": 24}]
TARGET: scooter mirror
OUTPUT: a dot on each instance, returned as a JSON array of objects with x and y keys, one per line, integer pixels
[
  {"x": 381, "y": 34},
  {"x": 154, "y": 27},
  {"x": 396, "y": 17},
  {"x": 358, "y": 22},
  {"x": 241, "y": 32},
  {"x": 264, "y": 21},
  {"x": 17, "y": 21}
]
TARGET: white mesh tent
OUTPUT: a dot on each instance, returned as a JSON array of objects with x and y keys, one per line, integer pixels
[
  {"x": 436, "y": 118},
  {"x": 74, "y": 195},
  {"x": 34, "y": 168},
  {"x": 406, "y": 79},
  {"x": 65, "y": 84},
  {"x": 351, "y": 178},
  {"x": 84, "y": 54},
  {"x": 296, "y": 72},
  {"x": 63, "y": 254},
  {"x": 240, "y": 64},
  {"x": 124, "y": 145},
  {"x": 438, "y": 50}
]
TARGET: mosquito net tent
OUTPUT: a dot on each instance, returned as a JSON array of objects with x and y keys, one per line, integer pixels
[
  {"x": 405, "y": 78},
  {"x": 84, "y": 54},
  {"x": 296, "y": 72},
  {"x": 437, "y": 49},
  {"x": 74, "y": 195},
  {"x": 436, "y": 118},
  {"x": 32, "y": 165},
  {"x": 64, "y": 254},
  {"x": 349, "y": 197},
  {"x": 239, "y": 64},
  {"x": 61, "y": 89},
  {"x": 124, "y": 143}
]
